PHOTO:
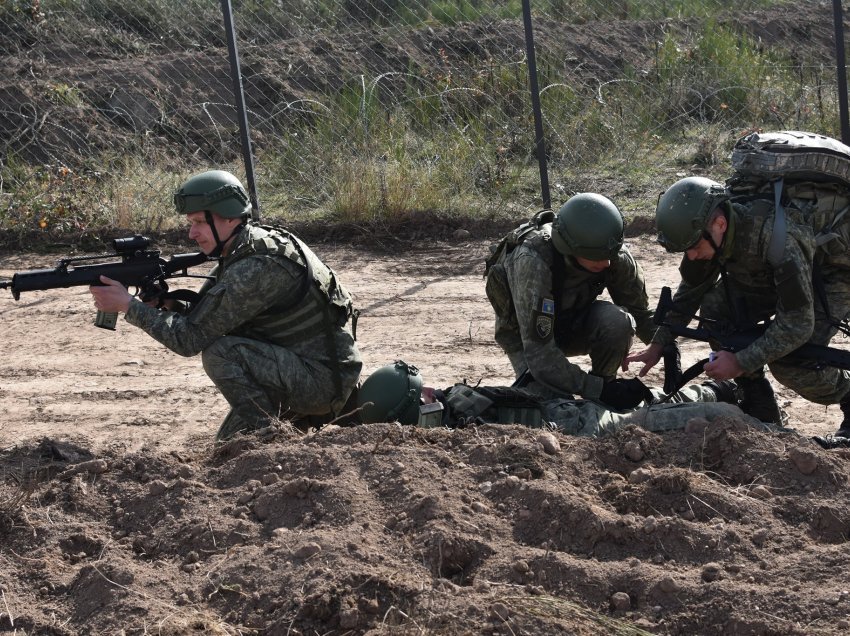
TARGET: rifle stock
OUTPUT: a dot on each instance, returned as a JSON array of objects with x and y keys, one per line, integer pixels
[
  {"x": 809, "y": 355},
  {"x": 138, "y": 267}
]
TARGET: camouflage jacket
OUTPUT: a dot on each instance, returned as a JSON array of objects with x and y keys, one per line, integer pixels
[
  {"x": 529, "y": 277},
  {"x": 784, "y": 292},
  {"x": 261, "y": 291}
]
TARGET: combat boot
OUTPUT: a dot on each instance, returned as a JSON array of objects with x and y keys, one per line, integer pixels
[
  {"x": 758, "y": 399},
  {"x": 725, "y": 390},
  {"x": 844, "y": 430}
]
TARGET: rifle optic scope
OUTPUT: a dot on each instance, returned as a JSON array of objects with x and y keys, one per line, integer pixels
[{"x": 131, "y": 244}]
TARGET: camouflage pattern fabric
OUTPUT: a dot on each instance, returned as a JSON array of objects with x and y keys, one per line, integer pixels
[
  {"x": 589, "y": 418},
  {"x": 784, "y": 292},
  {"x": 535, "y": 338},
  {"x": 272, "y": 373}
]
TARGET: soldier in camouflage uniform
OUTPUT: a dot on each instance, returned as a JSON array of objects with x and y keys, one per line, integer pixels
[
  {"x": 727, "y": 274},
  {"x": 544, "y": 280},
  {"x": 396, "y": 393},
  {"x": 271, "y": 323}
]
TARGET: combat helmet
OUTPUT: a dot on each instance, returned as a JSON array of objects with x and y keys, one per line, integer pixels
[
  {"x": 215, "y": 191},
  {"x": 589, "y": 226},
  {"x": 391, "y": 394},
  {"x": 684, "y": 211}
]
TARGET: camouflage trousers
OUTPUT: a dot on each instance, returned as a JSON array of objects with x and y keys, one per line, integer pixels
[
  {"x": 822, "y": 386},
  {"x": 604, "y": 331},
  {"x": 261, "y": 381},
  {"x": 590, "y": 419}
]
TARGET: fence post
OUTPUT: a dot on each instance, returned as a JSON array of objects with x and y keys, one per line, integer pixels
[
  {"x": 838, "y": 19},
  {"x": 241, "y": 114},
  {"x": 539, "y": 142}
]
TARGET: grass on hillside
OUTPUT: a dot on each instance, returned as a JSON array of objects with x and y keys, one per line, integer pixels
[{"x": 457, "y": 144}]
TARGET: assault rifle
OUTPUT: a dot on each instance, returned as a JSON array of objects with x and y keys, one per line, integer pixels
[
  {"x": 721, "y": 336},
  {"x": 138, "y": 267}
]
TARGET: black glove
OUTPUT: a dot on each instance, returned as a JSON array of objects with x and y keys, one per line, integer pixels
[{"x": 623, "y": 395}]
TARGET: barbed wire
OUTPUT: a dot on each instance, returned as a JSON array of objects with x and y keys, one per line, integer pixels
[{"x": 385, "y": 108}]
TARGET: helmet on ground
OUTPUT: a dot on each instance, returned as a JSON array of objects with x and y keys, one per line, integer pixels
[
  {"x": 684, "y": 211},
  {"x": 216, "y": 191},
  {"x": 391, "y": 394},
  {"x": 589, "y": 226}
]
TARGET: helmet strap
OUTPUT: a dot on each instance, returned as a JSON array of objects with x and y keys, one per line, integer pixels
[{"x": 220, "y": 243}]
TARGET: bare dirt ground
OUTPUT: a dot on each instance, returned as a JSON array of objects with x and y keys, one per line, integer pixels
[{"x": 119, "y": 516}]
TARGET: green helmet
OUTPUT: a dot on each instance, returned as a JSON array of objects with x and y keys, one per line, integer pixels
[
  {"x": 684, "y": 211},
  {"x": 393, "y": 392},
  {"x": 590, "y": 226},
  {"x": 216, "y": 191}
]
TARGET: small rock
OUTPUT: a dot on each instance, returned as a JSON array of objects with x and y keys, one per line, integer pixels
[
  {"x": 650, "y": 525},
  {"x": 461, "y": 234},
  {"x": 760, "y": 536},
  {"x": 500, "y": 611},
  {"x": 760, "y": 492},
  {"x": 192, "y": 557},
  {"x": 521, "y": 566},
  {"x": 711, "y": 572},
  {"x": 669, "y": 585},
  {"x": 185, "y": 471},
  {"x": 157, "y": 487},
  {"x": 620, "y": 601},
  {"x": 633, "y": 451},
  {"x": 477, "y": 506},
  {"x": 485, "y": 487},
  {"x": 549, "y": 443},
  {"x": 307, "y": 550},
  {"x": 349, "y": 618},
  {"x": 640, "y": 475},
  {"x": 270, "y": 478},
  {"x": 843, "y": 624},
  {"x": 804, "y": 459}
]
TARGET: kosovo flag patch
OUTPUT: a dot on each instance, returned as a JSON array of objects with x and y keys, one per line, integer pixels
[{"x": 543, "y": 319}]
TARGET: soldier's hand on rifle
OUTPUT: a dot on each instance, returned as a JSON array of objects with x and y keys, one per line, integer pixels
[
  {"x": 649, "y": 356},
  {"x": 724, "y": 366},
  {"x": 111, "y": 297}
]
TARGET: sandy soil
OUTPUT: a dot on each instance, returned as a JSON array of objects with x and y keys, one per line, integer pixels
[{"x": 118, "y": 516}]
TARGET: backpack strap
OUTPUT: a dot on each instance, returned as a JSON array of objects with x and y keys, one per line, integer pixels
[{"x": 776, "y": 249}]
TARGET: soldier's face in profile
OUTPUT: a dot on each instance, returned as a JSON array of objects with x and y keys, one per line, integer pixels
[{"x": 703, "y": 250}]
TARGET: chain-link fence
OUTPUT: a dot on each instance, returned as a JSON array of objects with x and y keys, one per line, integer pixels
[{"x": 390, "y": 109}]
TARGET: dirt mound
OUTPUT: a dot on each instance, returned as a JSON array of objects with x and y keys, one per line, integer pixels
[{"x": 384, "y": 529}]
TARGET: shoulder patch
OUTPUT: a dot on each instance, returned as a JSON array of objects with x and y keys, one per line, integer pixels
[{"x": 547, "y": 306}]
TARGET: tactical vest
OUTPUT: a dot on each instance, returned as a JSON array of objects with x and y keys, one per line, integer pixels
[
  {"x": 569, "y": 302},
  {"x": 494, "y": 405},
  {"x": 497, "y": 287},
  {"x": 321, "y": 305}
]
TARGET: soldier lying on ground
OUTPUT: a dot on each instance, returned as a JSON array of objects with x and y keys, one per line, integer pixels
[{"x": 396, "y": 393}]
